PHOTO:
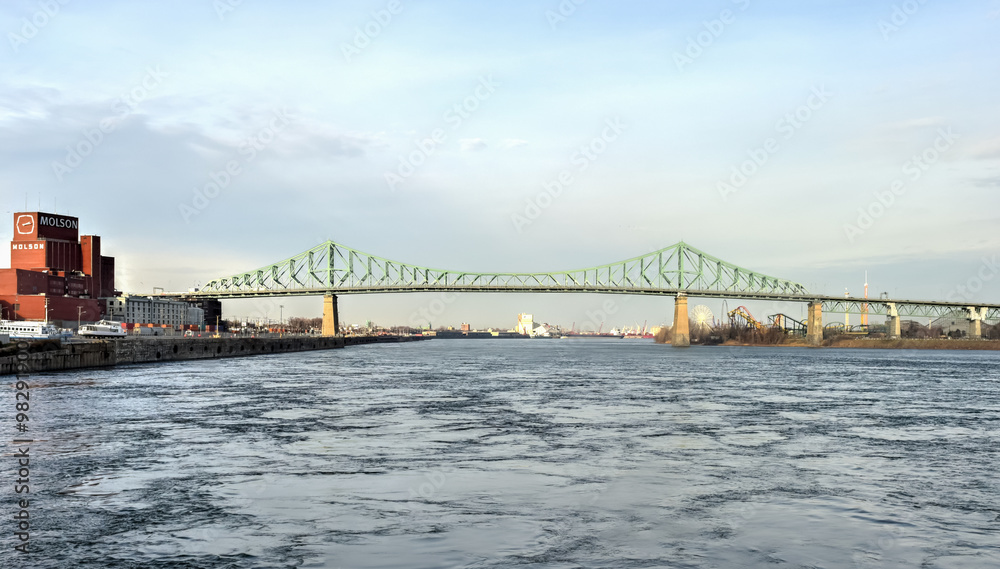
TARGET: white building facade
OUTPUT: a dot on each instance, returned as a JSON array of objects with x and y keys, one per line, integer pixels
[
  {"x": 149, "y": 310},
  {"x": 525, "y": 324}
]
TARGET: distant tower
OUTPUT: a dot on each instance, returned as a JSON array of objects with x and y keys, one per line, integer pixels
[
  {"x": 847, "y": 314},
  {"x": 864, "y": 308}
]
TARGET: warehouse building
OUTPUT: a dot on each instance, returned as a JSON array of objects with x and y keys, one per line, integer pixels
[{"x": 55, "y": 274}]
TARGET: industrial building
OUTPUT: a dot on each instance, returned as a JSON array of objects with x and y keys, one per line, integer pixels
[
  {"x": 525, "y": 324},
  {"x": 54, "y": 273},
  {"x": 956, "y": 322},
  {"x": 59, "y": 276}
]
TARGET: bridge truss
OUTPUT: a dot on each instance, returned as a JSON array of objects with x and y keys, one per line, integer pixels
[
  {"x": 911, "y": 308},
  {"x": 333, "y": 268}
]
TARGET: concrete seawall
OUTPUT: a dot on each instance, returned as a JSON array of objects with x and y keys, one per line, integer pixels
[{"x": 152, "y": 350}]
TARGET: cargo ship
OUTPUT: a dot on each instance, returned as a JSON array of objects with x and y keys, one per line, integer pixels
[
  {"x": 637, "y": 333},
  {"x": 611, "y": 334},
  {"x": 638, "y": 336},
  {"x": 470, "y": 334}
]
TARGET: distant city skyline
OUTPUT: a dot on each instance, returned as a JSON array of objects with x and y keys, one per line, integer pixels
[{"x": 808, "y": 142}]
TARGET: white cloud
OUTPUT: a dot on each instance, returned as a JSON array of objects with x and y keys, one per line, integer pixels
[
  {"x": 473, "y": 144},
  {"x": 509, "y": 143},
  {"x": 986, "y": 149}
]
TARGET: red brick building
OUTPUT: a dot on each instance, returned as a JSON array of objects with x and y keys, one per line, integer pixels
[{"x": 51, "y": 264}]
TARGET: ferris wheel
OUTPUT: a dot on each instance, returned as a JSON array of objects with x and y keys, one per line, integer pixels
[{"x": 702, "y": 315}]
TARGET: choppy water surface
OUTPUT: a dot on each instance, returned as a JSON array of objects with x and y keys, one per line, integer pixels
[{"x": 557, "y": 454}]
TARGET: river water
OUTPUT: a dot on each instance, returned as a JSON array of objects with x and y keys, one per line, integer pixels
[{"x": 520, "y": 453}]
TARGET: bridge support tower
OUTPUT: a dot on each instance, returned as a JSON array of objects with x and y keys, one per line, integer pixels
[
  {"x": 893, "y": 323},
  {"x": 976, "y": 316},
  {"x": 331, "y": 319},
  {"x": 681, "y": 335},
  {"x": 814, "y": 324}
]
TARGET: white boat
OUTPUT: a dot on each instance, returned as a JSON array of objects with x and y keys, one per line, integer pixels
[
  {"x": 103, "y": 328},
  {"x": 28, "y": 330}
]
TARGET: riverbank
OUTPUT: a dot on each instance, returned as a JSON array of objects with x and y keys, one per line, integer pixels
[
  {"x": 881, "y": 344},
  {"x": 52, "y": 355},
  {"x": 912, "y": 344}
]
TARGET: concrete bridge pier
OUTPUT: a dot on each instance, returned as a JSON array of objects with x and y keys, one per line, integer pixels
[
  {"x": 680, "y": 336},
  {"x": 893, "y": 324},
  {"x": 976, "y": 316},
  {"x": 814, "y": 324},
  {"x": 331, "y": 319}
]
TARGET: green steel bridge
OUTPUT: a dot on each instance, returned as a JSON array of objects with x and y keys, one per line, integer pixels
[{"x": 678, "y": 270}]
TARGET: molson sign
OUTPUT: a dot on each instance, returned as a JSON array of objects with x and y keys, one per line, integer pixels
[{"x": 29, "y": 226}]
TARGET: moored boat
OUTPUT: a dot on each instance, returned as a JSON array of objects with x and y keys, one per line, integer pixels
[
  {"x": 28, "y": 330},
  {"x": 103, "y": 328}
]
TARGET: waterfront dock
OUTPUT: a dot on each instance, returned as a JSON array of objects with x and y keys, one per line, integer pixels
[{"x": 51, "y": 355}]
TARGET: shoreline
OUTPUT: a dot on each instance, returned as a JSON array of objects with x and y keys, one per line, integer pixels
[
  {"x": 913, "y": 344},
  {"x": 873, "y": 344},
  {"x": 42, "y": 356}
]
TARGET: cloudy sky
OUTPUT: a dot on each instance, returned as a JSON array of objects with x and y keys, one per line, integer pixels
[{"x": 807, "y": 140}]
